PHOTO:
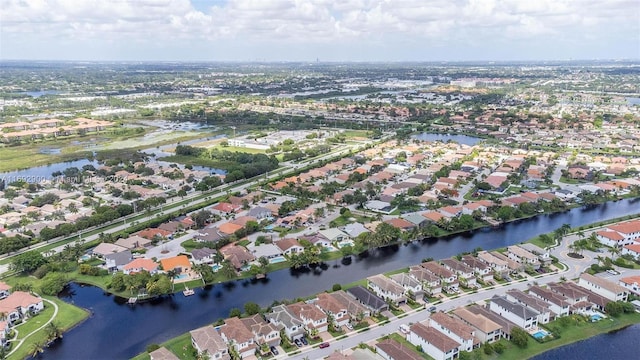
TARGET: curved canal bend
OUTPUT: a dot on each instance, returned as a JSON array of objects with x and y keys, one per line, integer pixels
[{"x": 118, "y": 331}]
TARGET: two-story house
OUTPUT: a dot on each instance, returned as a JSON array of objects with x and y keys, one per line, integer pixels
[
  {"x": 448, "y": 279},
  {"x": 480, "y": 268},
  {"x": 603, "y": 287},
  {"x": 514, "y": 312},
  {"x": 237, "y": 335},
  {"x": 410, "y": 284},
  {"x": 430, "y": 282},
  {"x": 532, "y": 302},
  {"x": 207, "y": 339},
  {"x": 485, "y": 329},
  {"x": 523, "y": 256},
  {"x": 557, "y": 303},
  {"x": 285, "y": 320},
  {"x": 499, "y": 266},
  {"x": 311, "y": 316},
  {"x": 386, "y": 288},
  {"x": 433, "y": 342},
  {"x": 263, "y": 331},
  {"x": 18, "y": 304},
  {"x": 455, "y": 329},
  {"x": 465, "y": 273}
]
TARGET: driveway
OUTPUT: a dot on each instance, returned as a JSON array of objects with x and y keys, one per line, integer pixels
[{"x": 172, "y": 247}]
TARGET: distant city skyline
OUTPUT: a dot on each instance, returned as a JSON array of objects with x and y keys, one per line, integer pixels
[{"x": 341, "y": 30}]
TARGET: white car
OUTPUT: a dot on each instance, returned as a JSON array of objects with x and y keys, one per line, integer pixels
[{"x": 349, "y": 326}]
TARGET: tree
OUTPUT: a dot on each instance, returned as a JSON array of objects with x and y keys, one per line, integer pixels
[
  {"x": 252, "y": 308},
  {"x": 28, "y": 262},
  {"x": 519, "y": 337},
  {"x": 36, "y": 349},
  {"x": 228, "y": 271},
  {"x": 53, "y": 331},
  {"x": 235, "y": 312}
]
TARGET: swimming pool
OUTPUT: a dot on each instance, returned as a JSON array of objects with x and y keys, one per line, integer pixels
[
  {"x": 215, "y": 267},
  {"x": 540, "y": 334},
  {"x": 596, "y": 317},
  {"x": 181, "y": 277},
  {"x": 277, "y": 259}
]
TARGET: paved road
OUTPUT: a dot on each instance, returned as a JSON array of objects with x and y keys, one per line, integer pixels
[{"x": 574, "y": 268}]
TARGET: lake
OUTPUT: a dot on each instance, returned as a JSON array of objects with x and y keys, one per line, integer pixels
[
  {"x": 621, "y": 344},
  {"x": 118, "y": 331}
]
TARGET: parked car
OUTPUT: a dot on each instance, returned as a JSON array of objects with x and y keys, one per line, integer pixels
[
  {"x": 304, "y": 341},
  {"x": 274, "y": 351},
  {"x": 349, "y": 326},
  {"x": 432, "y": 309},
  {"x": 613, "y": 272},
  {"x": 297, "y": 342},
  {"x": 324, "y": 345}
]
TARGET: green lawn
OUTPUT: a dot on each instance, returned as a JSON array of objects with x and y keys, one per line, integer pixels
[
  {"x": 572, "y": 333},
  {"x": 68, "y": 316}
]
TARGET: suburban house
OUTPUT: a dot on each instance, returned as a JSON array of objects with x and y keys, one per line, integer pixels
[
  {"x": 207, "y": 339},
  {"x": 284, "y": 319},
  {"x": 386, "y": 288},
  {"x": 104, "y": 249},
  {"x": 390, "y": 349},
  {"x": 630, "y": 231},
  {"x": 367, "y": 298},
  {"x": 134, "y": 242},
  {"x": 203, "y": 256},
  {"x": 357, "y": 312},
  {"x": 163, "y": 354},
  {"x": 433, "y": 342},
  {"x": 464, "y": 272},
  {"x": 485, "y": 329},
  {"x": 116, "y": 261},
  {"x": 577, "y": 298},
  {"x": 448, "y": 279},
  {"x": 139, "y": 265},
  {"x": 409, "y": 283},
  {"x": 430, "y": 282},
  {"x": 543, "y": 254},
  {"x": 611, "y": 238},
  {"x": 512, "y": 265},
  {"x": 632, "y": 249},
  {"x": 263, "y": 332},
  {"x": 455, "y": 329},
  {"x": 631, "y": 283},
  {"x": 19, "y": 304},
  {"x": 603, "y": 287},
  {"x": 237, "y": 335},
  {"x": 514, "y": 312},
  {"x": 416, "y": 219},
  {"x": 532, "y": 302},
  {"x": 557, "y": 303},
  {"x": 334, "y": 235},
  {"x": 354, "y": 229},
  {"x": 180, "y": 264},
  {"x": 289, "y": 246},
  {"x": 259, "y": 213},
  {"x": 499, "y": 266},
  {"x": 505, "y": 325},
  {"x": 480, "y": 268},
  {"x": 523, "y": 256},
  {"x": 311, "y": 316},
  {"x": 237, "y": 255},
  {"x": 333, "y": 307}
]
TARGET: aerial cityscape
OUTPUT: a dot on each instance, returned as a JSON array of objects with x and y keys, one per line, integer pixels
[{"x": 192, "y": 179}]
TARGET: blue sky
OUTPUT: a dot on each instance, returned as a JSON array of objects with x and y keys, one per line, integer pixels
[{"x": 303, "y": 30}]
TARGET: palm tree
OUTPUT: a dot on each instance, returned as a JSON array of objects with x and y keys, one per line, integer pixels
[
  {"x": 600, "y": 259},
  {"x": 36, "y": 349},
  {"x": 53, "y": 331}
]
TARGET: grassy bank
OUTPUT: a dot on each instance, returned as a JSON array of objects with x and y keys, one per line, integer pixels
[{"x": 569, "y": 334}]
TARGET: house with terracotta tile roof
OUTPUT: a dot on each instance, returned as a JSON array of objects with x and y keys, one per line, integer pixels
[
  {"x": 401, "y": 224},
  {"x": 610, "y": 238},
  {"x": 225, "y": 208},
  {"x": 237, "y": 335},
  {"x": 5, "y": 289},
  {"x": 180, "y": 264},
  {"x": 390, "y": 349},
  {"x": 461, "y": 269},
  {"x": 448, "y": 278},
  {"x": 263, "y": 331},
  {"x": 455, "y": 329},
  {"x": 603, "y": 287},
  {"x": 289, "y": 246},
  {"x": 354, "y": 309},
  {"x": 207, "y": 339},
  {"x": 152, "y": 233},
  {"x": 162, "y": 353},
  {"x": 19, "y": 304},
  {"x": 228, "y": 228},
  {"x": 311, "y": 316},
  {"x": 630, "y": 230},
  {"x": 485, "y": 329},
  {"x": 282, "y": 317},
  {"x": 433, "y": 342},
  {"x": 430, "y": 283},
  {"x": 558, "y": 304},
  {"x": 237, "y": 255},
  {"x": 140, "y": 264},
  {"x": 331, "y": 306},
  {"x": 631, "y": 283},
  {"x": 480, "y": 268}
]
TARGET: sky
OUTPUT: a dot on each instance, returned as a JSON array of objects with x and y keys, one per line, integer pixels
[{"x": 324, "y": 30}]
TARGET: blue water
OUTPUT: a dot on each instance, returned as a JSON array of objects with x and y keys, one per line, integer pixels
[
  {"x": 215, "y": 267},
  {"x": 622, "y": 344},
  {"x": 277, "y": 259},
  {"x": 540, "y": 334},
  {"x": 596, "y": 317},
  {"x": 460, "y": 139},
  {"x": 168, "y": 317},
  {"x": 633, "y": 100}
]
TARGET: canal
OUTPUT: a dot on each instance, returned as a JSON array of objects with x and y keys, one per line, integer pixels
[{"x": 118, "y": 331}]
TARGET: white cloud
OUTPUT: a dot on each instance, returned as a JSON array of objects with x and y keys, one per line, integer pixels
[{"x": 290, "y": 22}]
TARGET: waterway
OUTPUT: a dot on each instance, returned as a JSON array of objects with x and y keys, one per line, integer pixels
[
  {"x": 621, "y": 344},
  {"x": 117, "y": 331}
]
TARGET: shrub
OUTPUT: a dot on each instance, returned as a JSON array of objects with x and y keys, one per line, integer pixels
[
  {"x": 152, "y": 347},
  {"x": 336, "y": 287}
]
